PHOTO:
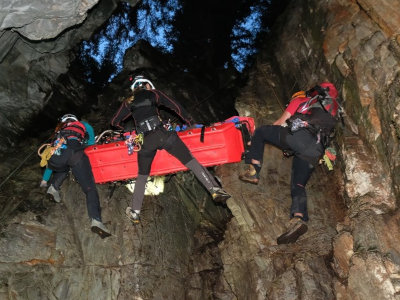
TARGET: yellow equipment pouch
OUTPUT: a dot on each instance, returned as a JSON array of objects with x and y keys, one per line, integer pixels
[
  {"x": 328, "y": 162},
  {"x": 46, "y": 155}
]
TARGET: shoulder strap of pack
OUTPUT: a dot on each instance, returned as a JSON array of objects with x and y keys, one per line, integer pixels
[
  {"x": 326, "y": 96},
  {"x": 327, "y": 103},
  {"x": 305, "y": 106}
]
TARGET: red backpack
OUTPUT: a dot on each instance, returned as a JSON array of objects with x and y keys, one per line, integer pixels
[
  {"x": 74, "y": 129},
  {"x": 325, "y": 96},
  {"x": 320, "y": 112}
]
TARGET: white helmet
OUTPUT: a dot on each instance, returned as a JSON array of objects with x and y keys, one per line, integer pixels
[
  {"x": 68, "y": 117},
  {"x": 140, "y": 81}
]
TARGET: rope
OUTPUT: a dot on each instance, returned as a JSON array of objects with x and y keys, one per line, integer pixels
[
  {"x": 24, "y": 161},
  {"x": 16, "y": 169},
  {"x": 198, "y": 103},
  {"x": 40, "y": 150},
  {"x": 276, "y": 96}
]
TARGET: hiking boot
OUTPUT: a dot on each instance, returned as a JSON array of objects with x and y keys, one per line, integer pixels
[
  {"x": 296, "y": 228},
  {"x": 219, "y": 195},
  {"x": 99, "y": 228},
  {"x": 132, "y": 216},
  {"x": 54, "y": 193},
  {"x": 250, "y": 175}
]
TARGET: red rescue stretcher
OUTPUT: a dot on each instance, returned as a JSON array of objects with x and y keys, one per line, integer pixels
[{"x": 218, "y": 144}]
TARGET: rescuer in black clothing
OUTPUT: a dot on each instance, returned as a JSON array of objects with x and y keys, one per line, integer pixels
[
  {"x": 143, "y": 107},
  {"x": 72, "y": 157},
  {"x": 311, "y": 117}
]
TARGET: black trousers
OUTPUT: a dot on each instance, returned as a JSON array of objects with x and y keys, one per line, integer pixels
[
  {"x": 74, "y": 158},
  {"x": 307, "y": 151},
  {"x": 159, "y": 139}
]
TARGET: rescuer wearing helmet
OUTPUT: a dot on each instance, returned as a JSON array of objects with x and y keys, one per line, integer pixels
[
  {"x": 70, "y": 156},
  {"x": 310, "y": 117},
  {"x": 89, "y": 140},
  {"x": 143, "y": 107}
]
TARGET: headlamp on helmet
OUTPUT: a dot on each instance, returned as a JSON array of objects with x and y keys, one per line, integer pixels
[
  {"x": 68, "y": 118},
  {"x": 140, "y": 81}
]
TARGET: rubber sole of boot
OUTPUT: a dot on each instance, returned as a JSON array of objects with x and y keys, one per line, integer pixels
[
  {"x": 249, "y": 180},
  {"x": 54, "y": 194},
  {"x": 221, "y": 198},
  {"x": 134, "y": 221},
  {"x": 52, "y": 198},
  {"x": 291, "y": 237},
  {"x": 103, "y": 234}
]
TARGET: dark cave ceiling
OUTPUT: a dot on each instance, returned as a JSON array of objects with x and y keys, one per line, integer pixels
[{"x": 202, "y": 37}]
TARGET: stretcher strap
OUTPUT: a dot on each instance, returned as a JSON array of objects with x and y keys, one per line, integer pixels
[{"x": 203, "y": 128}]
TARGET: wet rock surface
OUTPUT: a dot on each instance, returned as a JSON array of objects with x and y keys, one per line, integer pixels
[
  {"x": 346, "y": 250},
  {"x": 261, "y": 212},
  {"x": 189, "y": 248},
  {"x": 35, "y": 57},
  {"x": 27, "y": 17},
  {"x": 171, "y": 254}
]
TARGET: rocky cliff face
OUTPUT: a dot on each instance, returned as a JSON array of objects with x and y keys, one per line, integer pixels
[
  {"x": 36, "y": 42},
  {"x": 351, "y": 250},
  {"x": 190, "y": 248}
]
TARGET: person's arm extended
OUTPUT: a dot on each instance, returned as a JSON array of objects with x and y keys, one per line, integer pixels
[
  {"x": 286, "y": 115},
  {"x": 47, "y": 174},
  {"x": 164, "y": 100},
  {"x": 290, "y": 110},
  {"x": 123, "y": 113}
]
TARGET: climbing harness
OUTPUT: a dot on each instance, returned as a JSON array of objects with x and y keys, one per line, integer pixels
[
  {"x": 173, "y": 126},
  {"x": 296, "y": 124},
  {"x": 148, "y": 124}
]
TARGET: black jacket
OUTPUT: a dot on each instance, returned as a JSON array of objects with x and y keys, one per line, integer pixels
[{"x": 145, "y": 105}]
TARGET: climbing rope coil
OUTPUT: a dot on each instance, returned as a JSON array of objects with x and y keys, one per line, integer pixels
[{"x": 47, "y": 150}]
